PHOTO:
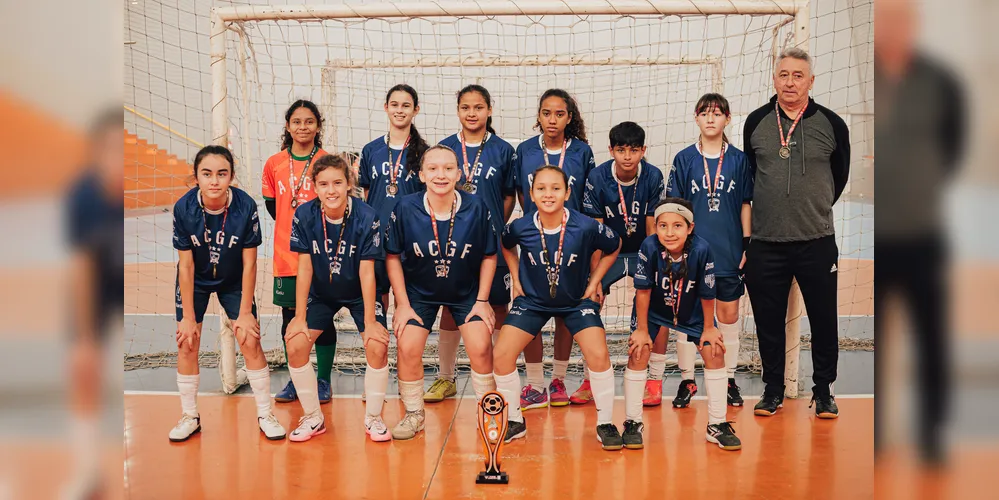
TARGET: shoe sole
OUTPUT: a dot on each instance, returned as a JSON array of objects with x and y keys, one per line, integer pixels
[
  {"x": 285, "y": 400},
  {"x": 680, "y": 405},
  {"x": 388, "y": 437},
  {"x": 737, "y": 405},
  {"x": 559, "y": 403},
  {"x": 828, "y": 416},
  {"x": 652, "y": 403},
  {"x": 434, "y": 399},
  {"x": 397, "y": 438},
  {"x": 579, "y": 401},
  {"x": 609, "y": 447},
  {"x": 310, "y": 436},
  {"x": 196, "y": 431},
  {"x": 535, "y": 406},
  {"x": 765, "y": 413},
  {"x": 638, "y": 446},
  {"x": 324, "y": 402},
  {"x": 726, "y": 448}
]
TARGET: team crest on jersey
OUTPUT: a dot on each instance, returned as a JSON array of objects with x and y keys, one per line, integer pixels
[
  {"x": 508, "y": 281},
  {"x": 709, "y": 266},
  {"x": 256, "y": 227},
  {"x": 377, "y": 224},
  {"x": 587, "y": 311},
  {"x": 634, "y": 323},
  {"x": 392, "y": 216},
  {"x": 376, "y": 239},
  {"x": 709, "y": 279},
  {"x": 378, "y": 309},
  {"x": 640, "y": 271},
  {"x": 213, "y": 256},
  {"x": 608, "y": 231}
]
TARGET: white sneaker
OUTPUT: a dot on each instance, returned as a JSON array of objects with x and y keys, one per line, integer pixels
[
  {"x": 308, "y": 426},
  {"x": 185, "y": 428},
  {"x": 271, "y": 428},
  {"x": 377, "y": 430},
  {"x": 411, "y": 424}
]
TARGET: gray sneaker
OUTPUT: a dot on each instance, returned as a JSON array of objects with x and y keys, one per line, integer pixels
[{"x": 409, "y": 425}]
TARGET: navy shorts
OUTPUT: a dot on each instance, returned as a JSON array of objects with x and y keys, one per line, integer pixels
[
  {"x": 654, "y": 328},
  {"x": 531, "y": 319},
  {"x": 729, "y": 288},
  {"x": 320, "y": 313},
  {"x": 623, "y": 266},
  {"x": 499, "y": 294},
  {"x": 427, "y": 311},
  {"x": 381, "y": 278},
  {"x": 229, "y": 300}
]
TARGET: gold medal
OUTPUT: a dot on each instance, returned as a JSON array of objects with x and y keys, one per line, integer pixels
[
  {"x": 785, "y": 152},
  {"x": 392, "y": 189}
]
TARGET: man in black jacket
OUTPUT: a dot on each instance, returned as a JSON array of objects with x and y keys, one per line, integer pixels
[{"x": 800, "y": 155}]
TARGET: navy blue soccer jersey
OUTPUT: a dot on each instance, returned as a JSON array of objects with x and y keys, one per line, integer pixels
[
  {"x": 375, "y": 175},
  {"x": 492, "y": 175},
  {"x": 532, "y": 155},
  {"x": 583, "y": 236},
  {"x": 719, "y": 222},
  {"x": 653, "y": 273},
  {"x": 361, "y": 240},
  {"x": 218, "y": 252},
  {"x": 603, "y": 200},
  {"x": 410, "y": 235}
]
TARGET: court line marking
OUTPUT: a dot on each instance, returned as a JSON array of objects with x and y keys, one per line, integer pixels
[{"x": 463, "y": 396}]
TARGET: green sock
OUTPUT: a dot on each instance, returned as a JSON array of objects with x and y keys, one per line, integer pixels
[{"x": 324, "y": 358}]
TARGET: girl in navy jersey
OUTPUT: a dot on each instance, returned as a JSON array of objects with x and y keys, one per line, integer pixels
[
  {"x": 715, "y": 177},
  {"x": 486, "y": 164},
  {"x": 389, "y": 164},
  {"x": 216, "y": 233},
  {"x": 675, "y": 285},
  {"x": 562, "y": 142},
  {"x": 441, "y": 252},
  {"x": 339, "y": 240},
  {"x": 552, "y": 278},
  {"x": 622, "y": 193}
]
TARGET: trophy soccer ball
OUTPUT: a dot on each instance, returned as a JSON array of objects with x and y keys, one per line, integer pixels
[
  {"x": 493, "y": 434},
  {"x": 492, "y": 404}
]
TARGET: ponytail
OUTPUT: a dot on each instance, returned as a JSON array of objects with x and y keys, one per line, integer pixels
[{"x": 414, "y": 152}]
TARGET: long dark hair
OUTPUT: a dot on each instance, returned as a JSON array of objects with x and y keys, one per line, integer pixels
[
  {"x": 286, "y": 140},
  {"x": 417, "y": 146},
  {"x": 575, "y": 128},
  {"x": 710, "y": 101},
  {"x": 684, "y": 270},
  {"x": 485, "y": 95}
]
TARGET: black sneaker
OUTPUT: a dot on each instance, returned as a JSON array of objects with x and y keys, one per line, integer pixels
[
  {"x": 609, "y": 436},
  {"x": 515, "y": 430},
  {"x": 768, "y": 404},
  {"x": 632, "y": 436},
  {"x": 825, "y": 406},
  {"x": 734, "y": 394},
  {"x": 686, "y": 391},
  {"x": 724, "y": 436}
]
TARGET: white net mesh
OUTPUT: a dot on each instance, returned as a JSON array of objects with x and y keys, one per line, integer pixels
[{"x": 650, "y": 69}]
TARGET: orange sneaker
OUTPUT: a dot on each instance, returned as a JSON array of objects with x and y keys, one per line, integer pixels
[
  {"x": 582, "y": 395},
  {"x": 653, "y": 393}
]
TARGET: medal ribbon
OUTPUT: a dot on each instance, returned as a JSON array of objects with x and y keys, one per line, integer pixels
[
  {"x": 464, "y": 155},
  {"x": 624, "y": 206},
  {"x": 225, "y": 215},
  {"x": 707, "y": 175},
  {"x": 677, "y": 295},
  {"x": 450, "y": 231},
  {"x": 339, "y": 238},
  {"x": 305, "y": 171},
  {"x": 553, "y": 270},
  {"x": 394, "y": 171},
  {"x": 561, "y": 158},
  {"x": 790, "y": 131}
]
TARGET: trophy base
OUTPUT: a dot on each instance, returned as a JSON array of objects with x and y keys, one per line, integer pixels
[{"x": 492, "y": 478}]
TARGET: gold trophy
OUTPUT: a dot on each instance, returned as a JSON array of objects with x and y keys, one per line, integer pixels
[{"x": 492, "y": 429}]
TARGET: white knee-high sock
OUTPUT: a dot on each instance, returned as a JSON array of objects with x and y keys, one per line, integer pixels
[
  {"x": 260, "y": 382},
  {"x": 447, "y": 349},
  {"x": 559, "y": 369},
  {"x": 187, "y": 385},
  {"x": 634, "y": 389},
  {"x": 685, "y": 353},
  {"x": 602, "y": 384},
  {"x": 535, "y": 375},
  {"x": 716, "y": 384},
  {"x": 375, "y": 384},
  {"x": 657, "y": 366},
  {"x": 412, "y": 394},
  {"x": 509, "y": 386},
  {"x": 482, "y": 383},
  {"x": 307, "y": 387},
  {"x": 730, "y": 336}
]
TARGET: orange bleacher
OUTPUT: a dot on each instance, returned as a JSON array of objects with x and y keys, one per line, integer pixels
[{"x": 153, "y": 177}]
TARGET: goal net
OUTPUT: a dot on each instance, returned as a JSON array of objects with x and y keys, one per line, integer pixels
[{"x": 646, "y": 62}]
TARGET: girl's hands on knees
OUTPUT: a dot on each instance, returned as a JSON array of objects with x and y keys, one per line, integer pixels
[
  {"x": 484, "y": 311},
  {"x": 401, "y": 318},
  {"x": 187, "y": 332},
  {"x": 375, "y": 332},
  {"x": 639, "y": 340},
  {"x": 297, "y": 326},
  {"x": 714, "y": 337},
  {"x": 245, "y": 325}
]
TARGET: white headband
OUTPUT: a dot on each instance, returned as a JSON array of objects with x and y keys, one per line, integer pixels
[{"x": 675, "y": 208}]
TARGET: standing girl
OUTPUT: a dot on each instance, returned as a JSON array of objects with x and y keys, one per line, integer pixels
[
  {"x": 338, "y": 239},
  {"x": 562, "y": 142},
  {"x": 441, "y": 252},
  {"x": 715, "y": 177},
  {"x": 389, "y": 164},
  {"x": 287, "y": 183},
  {"x": 486, "y": 163},
  {"x": 552, "y": 278},
  {"x": 216, "y": 233},
  {"x": 675, "y": 285}
]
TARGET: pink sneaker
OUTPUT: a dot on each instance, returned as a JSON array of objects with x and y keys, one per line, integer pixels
[
  {"x": 377, "y": 430},
  {"x": 308, "y": 426},
  {"x": 559, "y": 396}
]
